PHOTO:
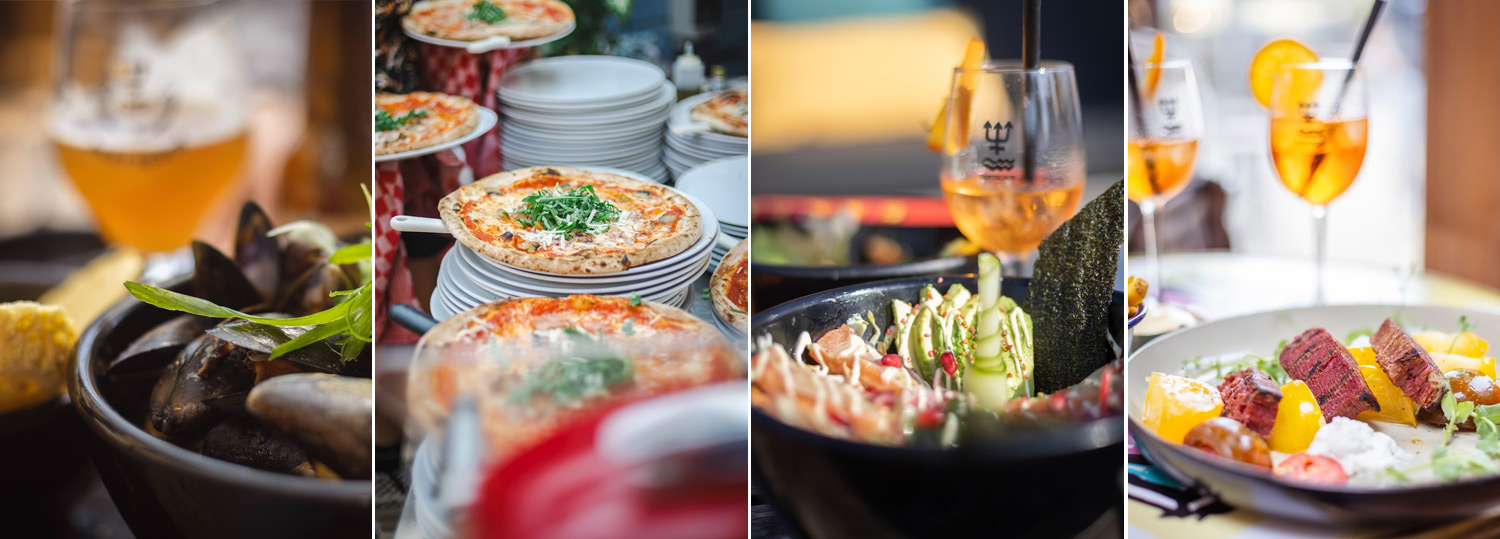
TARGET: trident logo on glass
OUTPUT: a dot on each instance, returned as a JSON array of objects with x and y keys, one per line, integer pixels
[{"x": 997, "y": 142}]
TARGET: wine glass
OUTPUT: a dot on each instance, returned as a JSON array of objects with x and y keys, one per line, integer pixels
[
  {"x": 1163, "y": 148},
  {"x": 1319, "y": 129},
  {"x": 1013, "y": 167},
  {"x": 148, "y": 114}
]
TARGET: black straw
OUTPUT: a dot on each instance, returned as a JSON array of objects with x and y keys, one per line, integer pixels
[
  {"x": 1338, "y": 99},
  {"x": 1031, "y": 54},
  {"x": 1136, "y": 110}
]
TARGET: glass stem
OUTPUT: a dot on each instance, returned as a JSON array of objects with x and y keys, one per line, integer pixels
[
  {"x": 1320, "y": 250},
  {"x": 1153, "y": 254},
  {"x": 1015, "y": 264}
]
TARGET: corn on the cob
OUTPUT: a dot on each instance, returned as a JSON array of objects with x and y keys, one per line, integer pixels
[{"x": 35, "y": 342}]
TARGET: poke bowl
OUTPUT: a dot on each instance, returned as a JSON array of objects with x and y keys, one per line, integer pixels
[
  {"x": 1059, "y": 480},
  {"x": 1352, "y": 414}
]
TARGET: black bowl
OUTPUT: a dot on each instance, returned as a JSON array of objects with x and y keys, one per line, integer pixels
[
  {"x": 166, "y": 491},
  {"x": 1052, "y": 483},
  {"x": 775, "y": 284}
]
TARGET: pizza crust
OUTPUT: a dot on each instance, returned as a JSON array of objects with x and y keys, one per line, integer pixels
[
  {"x": 710, "y": 112},
  {"x": 434, "y": 18},
  {"x": 720, "y": 280},
  {"x": 467, "y": 124},
  {"x": 689, "y": 228}
]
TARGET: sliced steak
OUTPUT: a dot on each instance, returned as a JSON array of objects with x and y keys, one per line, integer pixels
[
  {"x": 1319, "y": 360},
  {"x": 1408, "y": 365},
  {"x": 1251, "y": 397}
]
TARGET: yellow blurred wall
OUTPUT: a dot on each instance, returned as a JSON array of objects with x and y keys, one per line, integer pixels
[{"x": 853, "y": 81}]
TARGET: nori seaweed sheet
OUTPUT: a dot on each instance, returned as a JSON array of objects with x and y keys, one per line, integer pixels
[{"x": 1070, "y": 292}]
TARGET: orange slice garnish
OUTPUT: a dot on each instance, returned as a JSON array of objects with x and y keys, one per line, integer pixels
[
  {"x": 1275, "y": 56},
  {"x": 973, "y": 58},
  {"x": 1153, "y": 73}
]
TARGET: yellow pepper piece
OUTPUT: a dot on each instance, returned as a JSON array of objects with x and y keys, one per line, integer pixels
[
  {"x": 1298, "y": 419},
  {"x": 1395, "y": 406},
  {"x": 1176, "y": 404},
  {"x": 1464, "y": 344},
  {"x": 1452, "y": 362}
]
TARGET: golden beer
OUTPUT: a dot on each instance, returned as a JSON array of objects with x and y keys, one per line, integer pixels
[{"x": 1008, "y": 214}]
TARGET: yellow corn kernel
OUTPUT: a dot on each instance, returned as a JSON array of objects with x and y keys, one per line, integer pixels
[
  {"x": 1176, "y": 404},
  {"x": 1298, "y": 419}
]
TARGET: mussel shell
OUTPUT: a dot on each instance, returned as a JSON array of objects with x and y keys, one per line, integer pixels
[
  {"x": 245, "y": 441},
  {"x": 297, "y": 256},
  {"x": 328, "y": 416},
  {"x": 263, "y": 339},
  {"x": 207, "y": 368},
  {"x": 309, "y": 293},
  {"x": 257, "y": 254},
  {"x": 218, "y": 279},
  {"x": 160, "y": 345}
]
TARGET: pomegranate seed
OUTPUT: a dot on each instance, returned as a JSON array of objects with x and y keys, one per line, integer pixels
[
  {"x": 891, "y": 360},
  {"x": 950, "y": 365}
]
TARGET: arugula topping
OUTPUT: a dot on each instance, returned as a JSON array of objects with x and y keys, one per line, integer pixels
[
  {"x": 588, "y": 369},
  {"x": 579, "y": 210},
  {"x": 486, "y": 12},
  {"x": 385, "y": 122},
  {"x": 348, "y": 324},
  {"x": 635, "y": 299}
]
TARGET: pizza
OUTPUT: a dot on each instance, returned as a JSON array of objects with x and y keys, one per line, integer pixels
[
  {"x": 727, "y": 112},
  {"x": 730, "y": 287},
  {"x": 473, "y": 20},
  {"x": 533, "y": 365},
  {"x": 406, "y": 122},
  {"x": 569, "y": 221}
]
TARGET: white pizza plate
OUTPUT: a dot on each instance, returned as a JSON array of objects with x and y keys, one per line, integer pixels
[
  {"x": 552, "y": 134},
  {"x": 526, "y": 152},
  {"x": 1246, "y": 487},
  {"x": 579, "y": 79},
  {"x": 598, "y": 142},
  {"x": 479, "y": 268},
  {"x": 682, "y": 115},
  {"x": 656, "y": 110},
  {"x": 700, "y": 153},
  {"x": 487, "y": 120},
  {"x": 486, "y": 45},
  {"x": 643, "y": 161},
  {"x": 462, "y": 296},
  {"x": 723, "y": 184},
  {"x": 705, "y": 144},
  {"x": 478, "y": 285},
  {"x": 583, "y": 107}
]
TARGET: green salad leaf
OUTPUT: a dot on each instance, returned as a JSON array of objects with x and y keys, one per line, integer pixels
[
  {"x": 486, "y": 12},
  {"x": 385, "y": 122},
  {"x": 579, "y": 210}
]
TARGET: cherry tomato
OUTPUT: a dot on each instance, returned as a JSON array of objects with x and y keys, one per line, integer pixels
[
  {"x": 1228, "y": 438},
  {"x": 1312, "y": 469},
  {"x": 891, "y": 360},
  {"x": 1473, "y": 386}
]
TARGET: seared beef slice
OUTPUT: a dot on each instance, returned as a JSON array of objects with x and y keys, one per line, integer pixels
[
  {"x": 1252, "y": 398},
  {"x": 1408, "y": 365},
  {"x": 1316, "y": 358}
]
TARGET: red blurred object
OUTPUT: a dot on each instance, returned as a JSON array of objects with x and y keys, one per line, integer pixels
[{"x": 564, "y": 488}]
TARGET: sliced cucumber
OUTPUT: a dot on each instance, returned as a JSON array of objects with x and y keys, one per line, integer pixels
[
  {"x": 957, "y": 295},
  {"x": 901, "y": 312},
  {"x": 922, "y": 342},
  {"x": 990, "y": 387}
]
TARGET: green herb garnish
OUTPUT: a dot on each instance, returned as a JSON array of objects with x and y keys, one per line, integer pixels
[
  {"x": 1463, "y": 325},
  {"x": 385, "y": 122},
  {"x": 1362, "y": 332},
  {"x": 348, "y": 325},
  {"x": 588, "y": 369},
  {"x": 579, "y": 210},
  {"x": 486, "y": 12},
  {"x": 635, "y": 299}
]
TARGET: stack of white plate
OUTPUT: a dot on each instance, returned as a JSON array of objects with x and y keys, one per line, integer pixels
[
  {"x": 468, "y": 279},
  {"x": 724, "y": 185},
  {"x": 585, "y": 110},
  {"x": 687, "y": 151}
]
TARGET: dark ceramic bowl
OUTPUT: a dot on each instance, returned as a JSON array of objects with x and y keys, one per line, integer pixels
[
  {"x": 775, "y": 285},
  {"x": 1052, "y": 483},
  {"x": 166, "y": 491}
]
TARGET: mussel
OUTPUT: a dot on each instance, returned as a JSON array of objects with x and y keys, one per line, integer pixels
[
  {"x": 207, "y": 368},
  {"x": 328, "y": 415},
  {"x": 256, "y": 252}
]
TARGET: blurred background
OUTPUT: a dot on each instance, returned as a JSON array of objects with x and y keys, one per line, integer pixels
[
  {"x": 846, "y": 89},
  {"x": 1418, "y": 222}
]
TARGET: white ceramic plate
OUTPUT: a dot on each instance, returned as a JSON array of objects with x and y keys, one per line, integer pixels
[
  {"x": 1260, "y": 333},
  {"x": 682, "y": 114},
  {"x": 579, "y": 143},
  {"x": 583, "y": 107},
  {"x": 724, "y": 185},
  {"x": 654, "y": 111},
  {"x": 487, "y": 120},
  {"x": 493, "y": 283},
  {"x": 525, "y": 43},
  {"x": 572, "y": 79}
]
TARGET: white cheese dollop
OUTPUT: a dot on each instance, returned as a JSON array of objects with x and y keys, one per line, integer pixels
[{"x": 1364, "y": 453}]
